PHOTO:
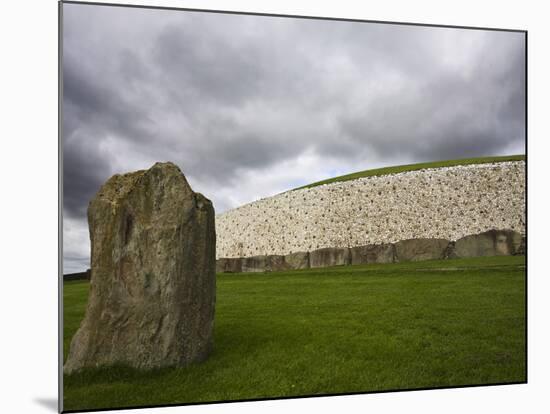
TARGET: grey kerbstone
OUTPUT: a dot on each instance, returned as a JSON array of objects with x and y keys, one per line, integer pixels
[
  {"x": 297, "y": 260},
  {"x": 254, "y": 264},
  {"x": 329, "y": 256},
  {"x": 229, "y": 265},
  {"x": 270, "y": 263},
  {"x": 489, "y": 243},
  {"x": 373, "y": 253},
  {"x": 152, "y": 294},
  {"x": 420, "y": 249}
]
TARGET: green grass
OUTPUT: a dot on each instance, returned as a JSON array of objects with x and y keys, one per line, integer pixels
[
  {"x": 415, "y": 167},
  {"x": 335, "y": 330}
]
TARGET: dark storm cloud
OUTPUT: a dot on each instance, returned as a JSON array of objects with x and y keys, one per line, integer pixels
[
  {"x": 250, "y": 106},
  {"x": 84, "y": 170},
  {"x": 93, "y": 101},
  {"x": 447, "y": 117}
]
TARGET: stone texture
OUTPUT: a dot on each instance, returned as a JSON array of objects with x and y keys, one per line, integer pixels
[
  {"x": 229, "y": 265},
  {"x": 373, "y": 253},
  {"x": 152, "y": 294},
  {"x": 489, "y": 243},
  {"x": 276, "y": 263},
  {"x": 297, "y": 260},
  {"x": 254, "y": 264},
  {"x": 270, "y": 263},
  {"x": 420, "y": 249},
  {"x": 329, "y": 257},
  {"x": 449, "y": 252}
]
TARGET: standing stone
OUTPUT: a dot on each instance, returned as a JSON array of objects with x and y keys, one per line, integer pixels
[
  {"x": 373, "y": 253},
  {"x": 329, "y": 256},
  {"x": 420, "y": 249},
  {"x": 152, "y": 294}
]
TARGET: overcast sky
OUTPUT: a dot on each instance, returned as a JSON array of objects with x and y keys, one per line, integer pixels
[{"x": 251, "y": 106}]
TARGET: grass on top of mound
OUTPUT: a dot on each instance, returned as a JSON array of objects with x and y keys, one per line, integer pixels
[
  {"x": 334, "y": 330},
  {"x": 415, "y": 167}
]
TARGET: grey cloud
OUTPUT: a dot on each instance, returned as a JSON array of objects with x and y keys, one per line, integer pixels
[
  {"x": 97, "y": 101},
  {"x": 84, "y": 170},
  {"x": 445, "y": 115},
  {"x": 207, "y": 68}
]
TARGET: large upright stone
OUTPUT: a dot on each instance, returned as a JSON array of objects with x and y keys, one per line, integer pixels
[{"x": 152, "y": 294}]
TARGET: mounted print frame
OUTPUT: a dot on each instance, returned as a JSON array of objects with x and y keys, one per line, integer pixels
[{"x": 262, "y": 206}]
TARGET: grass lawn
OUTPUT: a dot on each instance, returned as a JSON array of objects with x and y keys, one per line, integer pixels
[
  {"x": 415, "y": 167},
  {"x": 335, "y": 330}
]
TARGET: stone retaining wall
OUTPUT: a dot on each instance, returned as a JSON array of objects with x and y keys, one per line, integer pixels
[
  {"x": 489, "y": 243},
  {"x": 441, "y": 203}
]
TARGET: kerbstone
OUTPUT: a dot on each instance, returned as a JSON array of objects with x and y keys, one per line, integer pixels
[
  {"x": 297, "y": 260},
  {"x": 329, "y": 256},
  {"x": 229, "y": 265},
  {"x": 420, "y": 249},
  {"x": 373, "y": 253},
  {"x": 489, "y": 243},
  {"x": 269, "y": 263}
]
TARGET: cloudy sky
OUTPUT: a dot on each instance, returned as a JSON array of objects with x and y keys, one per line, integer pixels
[{"x": 251, "y": 106}]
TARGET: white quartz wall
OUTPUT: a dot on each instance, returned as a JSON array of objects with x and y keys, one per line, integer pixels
[{"x": 448, "y": 203}]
